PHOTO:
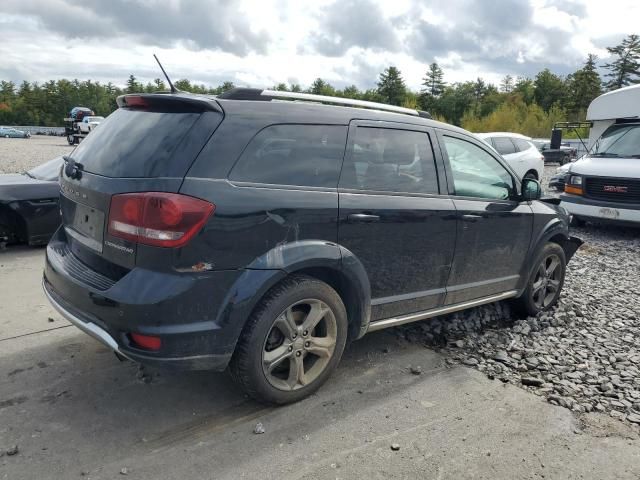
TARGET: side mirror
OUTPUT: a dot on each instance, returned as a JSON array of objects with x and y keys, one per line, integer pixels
[{"x": 531, "y": 189}]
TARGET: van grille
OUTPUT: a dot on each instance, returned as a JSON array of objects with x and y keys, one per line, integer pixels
[{"x": 620, "y": 190}]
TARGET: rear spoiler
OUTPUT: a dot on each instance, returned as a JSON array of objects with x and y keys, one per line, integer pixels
[{"x": 171, "y": 102}]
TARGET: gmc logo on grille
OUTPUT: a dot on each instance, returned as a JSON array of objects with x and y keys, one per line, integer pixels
[{"x": 613, "y": 188}]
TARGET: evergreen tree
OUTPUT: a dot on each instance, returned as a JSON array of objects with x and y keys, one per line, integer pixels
[
  {"x": 625, "y": 69},
  {"x": 506, "y": 85},
  {"x": 526, "y": 89},
  {"x": 320, "y": 87},
  {"x": 391, "y": 86},
  {"x": 549, "y": 89},
  {"x": 583, "y": 86},
  {"x": 433, "y": 81},
  {"x": 132, "y": 85}
]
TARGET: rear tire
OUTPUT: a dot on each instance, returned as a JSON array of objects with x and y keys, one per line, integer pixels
[
  {"x": 545, "y": 281},
  {"x": 292, "y": 342}
]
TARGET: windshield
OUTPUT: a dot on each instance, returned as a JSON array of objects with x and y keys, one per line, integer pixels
[
  {"x": 618, "y": 141},
  {"x": 48, "y": 170}
]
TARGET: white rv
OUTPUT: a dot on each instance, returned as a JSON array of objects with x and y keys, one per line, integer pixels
[{"x": 605, "y": 183}]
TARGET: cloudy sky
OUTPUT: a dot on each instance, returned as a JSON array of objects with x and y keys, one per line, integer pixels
[{"x": 263, "y": 42}]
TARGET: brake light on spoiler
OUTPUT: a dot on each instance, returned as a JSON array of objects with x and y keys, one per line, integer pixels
[{"x": 160, "y": 219}]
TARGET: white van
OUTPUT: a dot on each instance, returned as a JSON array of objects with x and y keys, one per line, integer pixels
[{"x": 605, "y": 183}]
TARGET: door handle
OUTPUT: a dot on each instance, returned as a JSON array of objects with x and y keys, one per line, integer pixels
[
  {"x": 362, "y": 218},
  {"x": 471, "y": 218}
]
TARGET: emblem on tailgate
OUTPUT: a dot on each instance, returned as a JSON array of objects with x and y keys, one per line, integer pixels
[
  {"x": 615, "y": 188},
  {"x": 122, "y": 248}
]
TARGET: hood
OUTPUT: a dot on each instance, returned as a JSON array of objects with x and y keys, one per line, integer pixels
[{"x": 607, "y": 167}]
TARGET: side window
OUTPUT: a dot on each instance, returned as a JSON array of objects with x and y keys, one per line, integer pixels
[
  {"x": 304, "y": 155},
  {"x": 521, "y": 144},
  {"x": 503, "y": 145},
  {"x": 475, "y": 172},
  {"x": 390, "y": 160}
]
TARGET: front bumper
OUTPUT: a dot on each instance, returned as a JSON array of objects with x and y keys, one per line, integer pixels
[
  {"x": 589, "y": 209},
  {"x": 181, "y": 309}
]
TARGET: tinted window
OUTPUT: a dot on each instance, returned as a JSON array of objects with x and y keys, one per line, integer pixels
[
  {"x": 503, "y": 145},
  {"x": 307, "y": 155},
  {"x": 521, "y": 144},
  {"x": 132, "y": 143},
  {"x": 475, "y": 172},
  {"x": 392, "y": 161}
]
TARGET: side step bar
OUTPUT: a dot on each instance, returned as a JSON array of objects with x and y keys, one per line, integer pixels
[{"x": 414, "y": 317}]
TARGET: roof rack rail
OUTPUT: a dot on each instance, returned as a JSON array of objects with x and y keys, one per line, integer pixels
[{"x": 267, "y": 95}]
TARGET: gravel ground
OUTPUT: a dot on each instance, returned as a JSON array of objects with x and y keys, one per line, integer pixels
[
  {"x": 584, "y": 354},
  {"x": 20, "y": 154}
]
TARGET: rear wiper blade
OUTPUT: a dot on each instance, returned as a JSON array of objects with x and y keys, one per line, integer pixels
[
  {"x": 604, "y": 154},
  {"x": 28, "y": 175}
]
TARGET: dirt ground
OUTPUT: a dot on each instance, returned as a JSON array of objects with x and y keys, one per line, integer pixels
[{"x": 74, "y": 411}]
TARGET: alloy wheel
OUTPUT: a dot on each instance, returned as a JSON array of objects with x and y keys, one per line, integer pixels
[
  {"x": 546, "y": 283},
  {"x": 299, "y": 345}
]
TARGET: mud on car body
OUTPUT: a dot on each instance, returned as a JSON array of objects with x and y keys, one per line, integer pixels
[{"x": 261, "y": 236}]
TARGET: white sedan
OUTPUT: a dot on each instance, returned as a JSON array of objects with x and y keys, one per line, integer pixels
[{"x": 519, "y": 152}]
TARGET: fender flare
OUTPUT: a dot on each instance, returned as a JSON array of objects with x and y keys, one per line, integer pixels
[
  {"x": 273, "y": 266},
  {"x": 554, "y": 228}
]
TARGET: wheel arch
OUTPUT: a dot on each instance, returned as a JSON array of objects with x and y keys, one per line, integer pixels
[{"x": 326, "y": 261}]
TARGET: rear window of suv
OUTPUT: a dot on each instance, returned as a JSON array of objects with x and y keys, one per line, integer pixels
[
  {"x": 135, "y": 143},
  {"x": 303, "y": 155}
]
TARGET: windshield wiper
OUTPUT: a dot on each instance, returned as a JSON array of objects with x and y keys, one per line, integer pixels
[
  {"x": 28, "y": 175},
  {"x": 604, "y": 154}
]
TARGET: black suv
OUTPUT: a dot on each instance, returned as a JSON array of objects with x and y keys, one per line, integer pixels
[{"x": 262, "y": 234}]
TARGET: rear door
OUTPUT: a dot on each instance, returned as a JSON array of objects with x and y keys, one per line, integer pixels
[
  {"x": 147, "y": 145},
  {"x": 393, "y": 217},
  {"x": 494, "y": 227}
]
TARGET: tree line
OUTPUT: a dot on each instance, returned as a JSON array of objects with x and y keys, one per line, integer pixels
[{"x": 520, "y": 104}]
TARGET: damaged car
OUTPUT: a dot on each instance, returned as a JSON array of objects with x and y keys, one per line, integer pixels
[
  {"x": 262, "y": 231},
  {"x": 29, "y": 210}
]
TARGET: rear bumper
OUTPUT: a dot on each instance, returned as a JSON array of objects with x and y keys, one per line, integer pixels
[
  {"x": 598, "y": 210},
  {"x": 184, "y": 310}
]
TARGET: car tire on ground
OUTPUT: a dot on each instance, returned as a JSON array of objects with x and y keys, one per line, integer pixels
[
  {"x": 292, "y": 342},
  {"x": 545, "y": 281}
]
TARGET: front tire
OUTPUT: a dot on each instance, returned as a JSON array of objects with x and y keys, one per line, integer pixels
[
  {"x": 292, "y": 342},
  {"x": 545, "y": 281}
]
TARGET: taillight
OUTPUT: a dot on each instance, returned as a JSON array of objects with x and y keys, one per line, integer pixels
[{"x": 157, "y": 218}]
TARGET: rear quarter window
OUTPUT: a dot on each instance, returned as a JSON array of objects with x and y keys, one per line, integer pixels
[
  {"x": 521, "y": 144},
  {"x": 504, "y": 145},
  {"x": 302, "y": 155}
]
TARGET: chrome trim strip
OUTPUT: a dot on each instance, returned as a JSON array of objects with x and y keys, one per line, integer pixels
[
  {"x": 338, "y": 101},
  {"x": 86, "y": 241},
  {"x": 407, "y": 296},
  {"x": 87, "y": 327},
  {"x": 414, "y": 317}
]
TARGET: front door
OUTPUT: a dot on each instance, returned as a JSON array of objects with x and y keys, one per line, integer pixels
[
  {"x": 494, "y": 227},
  {"x": 393, "y": 218}
]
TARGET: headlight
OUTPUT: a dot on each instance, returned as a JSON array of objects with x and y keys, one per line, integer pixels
[{"x": 575, "y": 180}]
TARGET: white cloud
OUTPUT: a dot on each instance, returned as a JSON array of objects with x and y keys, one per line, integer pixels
[{"x": 264, "y": 42}]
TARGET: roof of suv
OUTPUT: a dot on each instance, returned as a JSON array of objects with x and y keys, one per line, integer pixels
[{"x": 285, "y": 110}]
